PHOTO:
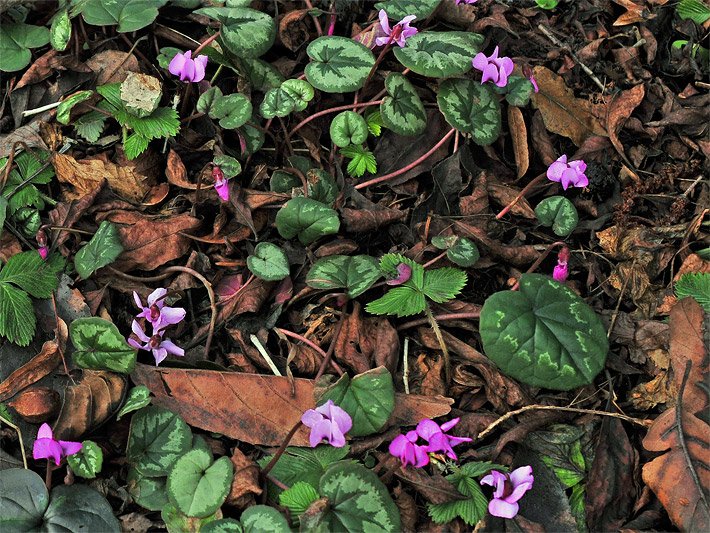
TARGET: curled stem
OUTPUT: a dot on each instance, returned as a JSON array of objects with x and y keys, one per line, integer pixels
[{"x": 332, "y": 110}]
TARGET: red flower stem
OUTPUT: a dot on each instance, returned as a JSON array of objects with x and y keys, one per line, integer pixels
[
  {"x": 522, "y": 193},
  {"x": 384, "y": 91},
  {"x": 332, "y": 110},
  {"x": 319, "y": 29},
  {"x": 265, "y": 471},
  {"x": 312, "y": 345},
  {"x": 409, "y": 166},
  {"x": 429, "y": 263},
  {"x": 539, "y": 260},
  {"x": 208, "y": 41},
  {"x": 456, "y": 142},
  {"x": 439, "y": 318},
  {"x": 379, "y": 59}
]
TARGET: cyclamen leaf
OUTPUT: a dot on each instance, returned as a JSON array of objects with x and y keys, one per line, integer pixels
[
  {"x": 307, "y": 219},
  {"x": 103, "y": 249},
  {"x": 398, "y": 9},
  {"x": 60, "y": 31},
  {"x": 519, "y": 90},
  {"x": 148, "y": 492},
  {"x": 348, "y": 128},
  {"x": 32, "y": 274},
  {"x": 78, "y": 508},
  {"x": 138, "y": 398},
  {"x": 223, "y": 525},
  {"x": 100, "y": 346},
  {"x": 130, "y": 15},
  {"x": 17, "y": 318},
  {"x": 439, "y": 54},
  {"x": 300, "y": 91},
  {"x": 277, "y": 103},
  {"x": 245, "y": 32},
  {"x": 23, "y": 499},
  {"x": 88, "y": 461},
  {"x": 338, "y": 64},
  {"x": 402, "y": 111},
  {"x": 558, "y": 212},
  {"x": 471, "y": 108},
  {"x": 354, "y": 273},
  {"x": 64, "y": 109},
  {"x": 269, "y": 262},
  {"x": 264, "y": 519}
]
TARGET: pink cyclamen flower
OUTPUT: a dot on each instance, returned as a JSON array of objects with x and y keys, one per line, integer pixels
[
  {"x": 157, "y": 344},
  {"x": 41, "y": 239},
  {"x": 437, "y": 438},
  {"x": 327, "y": 422},
  {"x": 156, "y": 312},
  {"x": 494, "y": 68},
  {"x": 399, "y": 34},
  {"x": 567, "y": 174},
  {"x": 406, "y": 449},
  {"x": 404, "y": 272},
  {"x": 221, "y": 184},
  {"x": 188, "y": 69},
  {"x": 43, "y": 252},
  {"x": 528, "y": 73},
  {"x": 560, "y": 272},
  {"x": 508, "y": 490},
  {"x": 46, "y": 447}
]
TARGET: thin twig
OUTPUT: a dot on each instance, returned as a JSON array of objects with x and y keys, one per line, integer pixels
[
  {"x": 312, "y": 345},
  {"x": 439, "y": 337},
  {"x": 511, "y": 414},
  {"x": 19, "y": 437},
  {"x": 405, "y": 364},
  {"x": 331, "y": 348},
  {"x": 439, "y": 318},
  {"x": 584, "y": 67},
  {"x": 256, "y": 342}
]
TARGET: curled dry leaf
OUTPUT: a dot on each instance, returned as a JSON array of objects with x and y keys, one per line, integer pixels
[
  {"x": 36, "y": 405},
  {"x": 254, "y": 408},
  {"x": 112, "y": 66},
  {"x": 680, "y": 477},
  {"x": 245, "y": 484},
  {"x": 362, "y": 220},
  {"x": 618, "y": 111},
  {"x": 293, "y": 30},
  {"x": 31, "y": 372},
  {"x": 519, "y": 135}
]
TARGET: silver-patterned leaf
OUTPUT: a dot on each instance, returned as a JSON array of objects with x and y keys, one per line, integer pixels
[
  {"x": 440, "y": 54},
  {"x": 471, "y": 108},
  {"x": 402, "y": 111},
  {"x": 338, "y": 64},
  {"x": 354, "y": 273}
]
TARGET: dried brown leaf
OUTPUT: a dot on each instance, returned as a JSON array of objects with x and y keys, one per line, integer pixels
[
  {"x": 31, "y": 372},
  {"x": 245, "y": 483},
  {"x": 519, "y": 135},
  {"x": 620, "y": 109}
]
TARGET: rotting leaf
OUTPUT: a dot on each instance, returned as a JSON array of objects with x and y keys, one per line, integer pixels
[{"x": 31, "y": 372}]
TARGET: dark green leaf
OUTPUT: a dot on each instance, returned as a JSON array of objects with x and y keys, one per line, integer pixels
[
  {"x": 148, "y": 492},
  {"x": 138, "y": 398},
  {"x": 338, "y": 64},
  {"x": 696, "y": 285},
  {"x": 264, "y": 519},
  {"x": 558, "y": 212},
  {"x": 307, "y": 219},
  {"x": 223, "y": 525},
  {"x": 32, "y": 274},
  {"x": 268, "y": 262},
  {"x": 519, "y": 91},
  {"x": 15, "y": 43},
  {"x": 64, "y": 109},
  {"x": 439, "y": 54},
  {"x": 348, "y": 128},
  {"x": 130, "y": 15},
  {"x": 198, "y": 486},
  {"x": 17, "y": 318},
  {"x": 23, "y": 500},
  {"x": 245, "y": 32},
  {"x": 100, "y": 346},
  {"x": 79, "y": 508},
  {"x": 60, "y": 31},
  {"x": 402, "y": 111},
  {"x": 398, "y": 9},
  {"x": 471, "y": 108},
  {"x": 229, "y": 166},
  {"x": 87, "y": 462},
  {"x": 103, "y": 249},
  {"x": 354, "y": 273}
]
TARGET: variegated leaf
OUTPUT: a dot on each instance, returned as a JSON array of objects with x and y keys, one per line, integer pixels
[
  {"x": 471, "y": 108},
  {"x": 348, "y": 128},
  {"x": 354, "y": 273},
  {"x": 338, "y": 64},
  {"x": 440, "y": 54},
  {"x": 402, "y": 111},
  {"x": 398, "y": 9}
]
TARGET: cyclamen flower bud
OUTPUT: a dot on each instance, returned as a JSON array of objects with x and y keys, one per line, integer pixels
[{"x": 221, "y": 184}]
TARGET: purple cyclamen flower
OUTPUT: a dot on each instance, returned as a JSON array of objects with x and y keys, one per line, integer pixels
[
  {"x": 567, "y": 174},
  {"x": 437, "y": 438},
  {"x": 466, "y": 1},
  {"x": 157, "y": 344},
  {"x": 221, "y": 184},
  {"x": 404, "y": 272},
  {"x": 508, "y": 490},
  {"x": 399, "y": 34},
  {"x": 188, "y": 69},
  {"x": 43, "y": 252},
  {"x": 405, "y": 448},
  {"x": 560, "y": 272},
  {"x": 46, "y": 447},
  {"x": 327, "y": 422},
  {"x": 494, "y": 68},
  {"x": 156, "y": 312}
]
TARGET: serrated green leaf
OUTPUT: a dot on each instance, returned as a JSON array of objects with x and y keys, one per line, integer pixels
[
  {"x": 3, "y": 212},
  {"x": 398, "y": 9},
  {"x": 135, "y": 145},
  {"x": 32, "y": 274},
  {"x": 60, "y": 31},
  {"x": 156, "y": 440},
  {"x": 471, "y": 108},
  {"x": 374, "y": 122},
  {"x": 163, "y": 122},
  {"x": 354, "y": 273},
  {"x": 696, "y": 285},
  {"x": 695, "y": 10},
  {"x": 544, "y": 334},
  {"x": 519, "y": 90},
  {"x": 363, "y": 160},
  {"x": 88, "y": 461},
  {"x": 264, "y": 519},
  {"x": 307, "y": 219},
  {"x": 100, "y": 346},
  {"x": 402, "y": 111},
  {"x": 348, "y": 128},
  {"x": 90, "y": 125},
  {"x": 268, "y": 262},
  {"x": 560, "y": 449},
  {"x": 197, "y": 485},
  {"x": 558, "y": 212},
  {"x": 103, "y": 249},
  {"x": 298, "y": 497},
  {"x": 20, "y": 191},
  {"x": 130, "y": 15},
  {"x": 338, "y": 64},
  {"x": 138, "y": 398},
  {"x": 17, "y": 319},
  {"x": 400, "y": 301},
  {"x": 112, "y": 95},
  {"x": 15, "y": 43},
  {"x": 439, "y": 54},
  {"x": 443, "y": 284},
  {"x": 245, "y": 32}
]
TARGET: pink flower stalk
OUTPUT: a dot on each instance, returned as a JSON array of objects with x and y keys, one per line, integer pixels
[
  {"x": 188, "y": 69},
  {"x": 437, "y": 438},
  {"x": 46, "y": 447},
  {"x": 406, "y": 449},
  {"x": 399, "y": 34},
  {"x": 494, "y": 68},
  {"x": 327, "y": 422},
  {"x": 567, "y": 174},
  {"x": 156, "y": 312},
  {"x": 221, "y": 184},
  {"x": 508, "y": 490},
  {"x": 157, "y": 344},
  {"x": 560, "y": 272},
  {"x": 404, "y": 272}
]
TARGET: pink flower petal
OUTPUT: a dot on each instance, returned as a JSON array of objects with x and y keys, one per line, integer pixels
[
  {"x": 384, "y": 22},
  {"x": 176, "y": 65},
  {"x": 490, "y": 73},
  {"x": 45, "y": 432},
  {"x": 159, "y": 354},
  {"x": 427, "y": 428},
  {"x": 480, "y": 61},
  {"x": 446, "y": 426},
  {"x": 398, "y": 445},
  {"x": 138, "y": 331},
  {"x": 518, "y": 492},
  {"x": 69, "y": 447},
  {"x": 507, "y": 65},
  {"x": 319, "y": 432},
  {"x": 502, "y": 509},
  {"x": 522, "y": 475},
  {"x": 311, "y": 417},
  {"x": 555, "y": 170},
  {"x": 47, "y": 448},
  {"x": 172, "y": 348},
  {"x": 222, "y": 190},
  {"x": 156, "y": 297}
]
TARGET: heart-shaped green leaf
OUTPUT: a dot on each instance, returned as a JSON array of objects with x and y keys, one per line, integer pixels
[
  {"x": 558, "y": 212},
  {"x": 300, "y": 91},
  {"x": 157, "y": 438},
  {"x": 268, "y": 262},
  {"x": 263, "y": 76},
  {"x": 229, "y": 166},
  {"x": 354, "y": 273},
  {"x": 130, "y": 15},
  {"x": 277, "y": 103},
  {"x": 100, "y": 346},
  {"x": 23, "y": 500},
  {"x": 368, "y": 398},
  {"x": 439, "y": 54},
  {"x": 232, "y": 111},
  {"x": 402, "y": 111},
  {"x": 103, "y": 249},
  {"x": 338, "y": 64},
  {"x": 264, "y": 519},
  {"x": 15, "y": 43},
  {"x": 348, "y": 128},
  {"x": 88, "y": 461},
  {"x": 322, "y": 186},
  {"x": 544, "y": 334},
  {"x": 358, "y": 501},
  {"x": 459, "y": 250},
  {"x": 307, "y": 218},
  {"x": 471, "y": 108},
  {"x": 138, "y": 398},
  {"x": 519, "y": 91},
  {"x": 199, "y": 486},
  {"x": 79, "y": 508},
  {"x": 398, "y": 9},
  {"x": 245, "y": 32},
  {"x": 148, "y": 492}
]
